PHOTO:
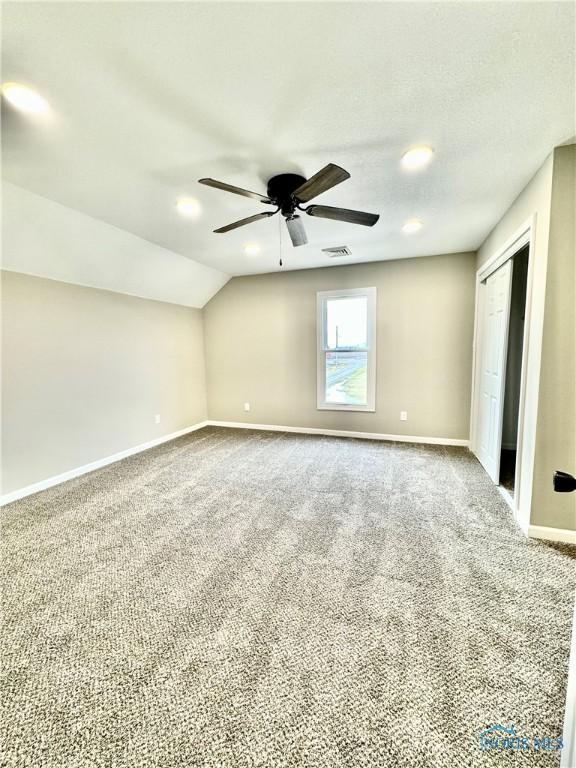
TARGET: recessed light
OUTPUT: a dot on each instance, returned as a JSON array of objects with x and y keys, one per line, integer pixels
[
  {"x": 411, "y": 226},
  {"x": 189, "y": 206},
  {"x": 417, "y": 157},
  {"x": 24, "y": 99},
  {"x": 252, "y": 249}
]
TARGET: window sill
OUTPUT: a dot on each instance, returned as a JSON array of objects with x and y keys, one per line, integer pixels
[{"x": 336, "y": 407}]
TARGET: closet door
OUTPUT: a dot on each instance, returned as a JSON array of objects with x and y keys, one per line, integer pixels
[{"x": 495, "y": 320}]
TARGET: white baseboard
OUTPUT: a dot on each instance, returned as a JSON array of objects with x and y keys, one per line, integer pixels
[
  {"x": 343, "y": 433},
  {"x": 552, "y": 534},
  {"x": 533, "y": 531},
  {"x": 28, "y": 490}
]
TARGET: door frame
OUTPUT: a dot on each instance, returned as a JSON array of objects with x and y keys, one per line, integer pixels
[{"x": 530, "y": 369}]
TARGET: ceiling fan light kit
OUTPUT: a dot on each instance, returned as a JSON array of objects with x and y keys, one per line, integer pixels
[{"x": 288, "y": 192}]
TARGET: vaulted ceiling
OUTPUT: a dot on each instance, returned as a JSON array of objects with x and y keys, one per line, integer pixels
[{"x": 146, "y": 98}]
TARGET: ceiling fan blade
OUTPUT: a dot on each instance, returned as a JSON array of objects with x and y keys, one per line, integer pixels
[
  {"x": 325, "y": 179},
  {"x": 234, "y": 190},
  {"x": 297, "y": 231},
  {"x": 343, "y": 214},
  {"x": 248, "y": 220}
]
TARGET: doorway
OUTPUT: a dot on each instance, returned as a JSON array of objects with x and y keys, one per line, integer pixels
[
  {"x": 526, "y": 236},
  {"x": 513, "y": 374},
  {"x": 499, "y": 367}
]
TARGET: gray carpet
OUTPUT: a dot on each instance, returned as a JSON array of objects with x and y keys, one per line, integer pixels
[{"x": 237, "y": 599}]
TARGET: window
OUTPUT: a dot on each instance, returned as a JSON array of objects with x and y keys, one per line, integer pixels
[{"x": 346, "y": 349}]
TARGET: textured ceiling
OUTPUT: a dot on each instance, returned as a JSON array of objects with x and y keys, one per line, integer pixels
[{"x": 149, "y": 97}]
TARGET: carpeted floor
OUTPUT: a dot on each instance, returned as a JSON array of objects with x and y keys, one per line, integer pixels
[{"x": 237, "y": 599}]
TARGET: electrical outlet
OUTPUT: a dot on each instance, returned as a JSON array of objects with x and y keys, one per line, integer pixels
[
  {"x": 246, "y": 406},
  {"x": 157, "y": 418},
  {"x": 403, "y": 415}
]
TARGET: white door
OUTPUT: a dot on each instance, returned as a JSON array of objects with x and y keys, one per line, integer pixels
[{"x": 494, "y": 335}]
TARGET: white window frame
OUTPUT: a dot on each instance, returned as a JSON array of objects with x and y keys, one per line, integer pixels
[{"x": 321, "y": 302}]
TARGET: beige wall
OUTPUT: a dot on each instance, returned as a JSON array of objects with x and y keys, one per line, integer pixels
[
  {"x": 260, "y": 336},
  {"x": 534, "y": 199},
  {"x": 550, "y": 392},
  {"x": 556, "y": 430},
  {"x": 86, "y": 370}
]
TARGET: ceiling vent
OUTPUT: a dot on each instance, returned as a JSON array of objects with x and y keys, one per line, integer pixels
[{"x": 340, "y": 250}]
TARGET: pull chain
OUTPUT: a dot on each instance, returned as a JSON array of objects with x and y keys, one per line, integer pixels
[{"x": 280, "y": 237}]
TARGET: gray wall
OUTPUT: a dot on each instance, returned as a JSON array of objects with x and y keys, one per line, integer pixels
[
  {"x": 260, "y": 334},
  {"x": 86, "y": 370}
]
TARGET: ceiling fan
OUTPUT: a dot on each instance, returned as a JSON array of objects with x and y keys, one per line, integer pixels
[{"x": 288, "y": 191}]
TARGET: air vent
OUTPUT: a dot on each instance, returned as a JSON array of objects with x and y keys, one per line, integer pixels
[{"x": 340, "y": 250}]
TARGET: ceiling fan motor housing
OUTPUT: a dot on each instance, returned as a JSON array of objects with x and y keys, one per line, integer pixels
[
  {"x": 288, "y": 192},
  {"x": 280, "y": 189}
]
